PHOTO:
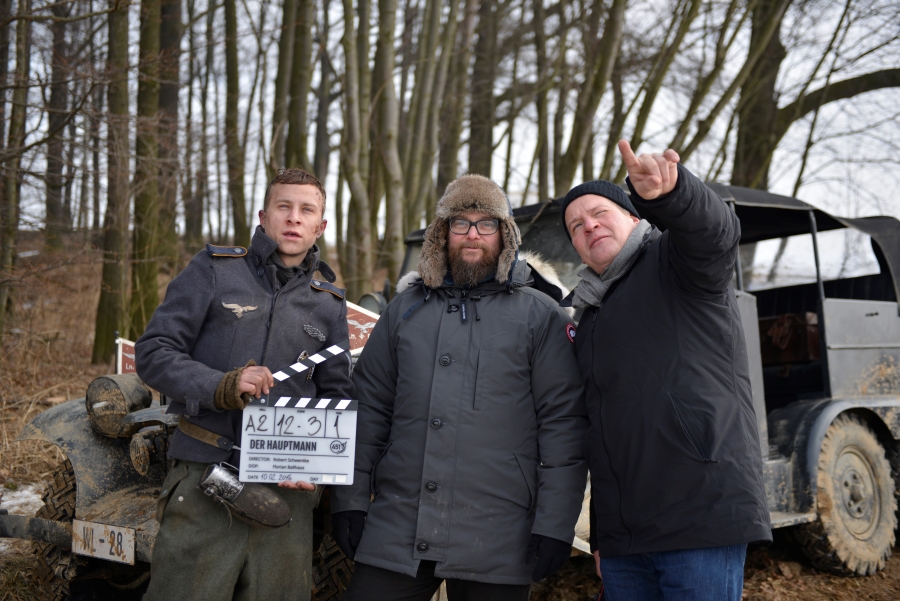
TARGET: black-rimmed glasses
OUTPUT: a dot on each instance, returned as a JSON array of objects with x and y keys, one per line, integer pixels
[{"x": 485, "y": 227}]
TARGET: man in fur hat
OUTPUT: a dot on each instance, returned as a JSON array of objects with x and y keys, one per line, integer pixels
[
  {"x": 676, "y": 468},
  {"x": 468, "y": 463}
]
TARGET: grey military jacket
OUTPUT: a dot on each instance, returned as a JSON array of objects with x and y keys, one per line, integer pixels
[
  {"x": 470, "y": 429},
  {"x": 226, "y": 308}
]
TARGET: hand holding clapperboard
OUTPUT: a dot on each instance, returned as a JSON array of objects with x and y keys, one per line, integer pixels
[{"x": 291, "y": 439}]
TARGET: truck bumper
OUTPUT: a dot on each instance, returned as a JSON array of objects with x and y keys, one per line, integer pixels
[{"x": 36, "y": 529}]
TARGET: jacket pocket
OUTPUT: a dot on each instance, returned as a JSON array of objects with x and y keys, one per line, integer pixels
[
  {"x": 692, "y": 438},
  {"x": 481, "y": 378},
  {"x": 178, "y": 473},
  {"x": 372, "y": 483},
  {"x": 528, "y": 467}
]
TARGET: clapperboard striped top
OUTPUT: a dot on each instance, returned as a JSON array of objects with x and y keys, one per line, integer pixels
[
  {"x": 293, "y": 402},
  {"x": 303, "y": 364}
]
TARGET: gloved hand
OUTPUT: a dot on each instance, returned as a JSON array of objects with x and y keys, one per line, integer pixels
[
  {"x": 227, "y": 395},
  {"x": 347, "y": 529},
  {"x": 551, "y": 553}
]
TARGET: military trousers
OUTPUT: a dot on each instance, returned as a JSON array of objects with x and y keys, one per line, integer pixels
[{"x": 202, "y": 553}]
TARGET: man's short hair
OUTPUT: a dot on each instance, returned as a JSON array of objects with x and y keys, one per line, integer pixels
[{"x": 297, "y": 177}]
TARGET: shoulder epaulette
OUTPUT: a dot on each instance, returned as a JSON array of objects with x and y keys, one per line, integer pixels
[
  {"x": 226, "y": 251},
  {"x": 327, "y": 287}
]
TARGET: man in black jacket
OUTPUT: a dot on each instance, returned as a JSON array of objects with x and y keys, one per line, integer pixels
[{"x": 676, "y": 470}]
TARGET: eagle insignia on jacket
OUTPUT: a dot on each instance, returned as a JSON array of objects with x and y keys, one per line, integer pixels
[{"x": 238, "y": 310}]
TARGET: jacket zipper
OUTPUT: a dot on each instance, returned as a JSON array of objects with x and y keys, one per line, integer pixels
[{"x": 603, "y": 435}]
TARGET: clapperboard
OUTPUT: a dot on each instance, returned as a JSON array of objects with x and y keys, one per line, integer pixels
[{"x": 296, "y": 439}]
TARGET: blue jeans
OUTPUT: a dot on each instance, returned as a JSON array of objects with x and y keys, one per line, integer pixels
[{"x": 714, "y": 574}]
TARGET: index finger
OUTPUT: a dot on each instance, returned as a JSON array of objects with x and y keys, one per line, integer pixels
[
  {"x": 268, "y": 375},
  {"x": 628, "y": 157}
]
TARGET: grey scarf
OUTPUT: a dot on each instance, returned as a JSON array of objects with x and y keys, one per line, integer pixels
[{"x": 592, "y": 288}]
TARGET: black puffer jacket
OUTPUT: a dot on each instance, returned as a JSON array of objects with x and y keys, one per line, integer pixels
[{"x": 673, "y": 449}]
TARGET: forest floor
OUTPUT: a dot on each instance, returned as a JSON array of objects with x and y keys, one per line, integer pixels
[{"x": 45, "y": 360}]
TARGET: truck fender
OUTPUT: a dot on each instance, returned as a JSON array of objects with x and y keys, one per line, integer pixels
[
  {"x": 102, "y": 464},
  {"x": 812, "y": 425}
]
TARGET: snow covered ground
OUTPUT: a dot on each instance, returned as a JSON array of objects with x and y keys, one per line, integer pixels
[{"x": 25, "y": 500}]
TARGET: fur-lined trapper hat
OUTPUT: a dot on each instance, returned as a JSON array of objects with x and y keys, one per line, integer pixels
[{"x": 469, "y": 193}]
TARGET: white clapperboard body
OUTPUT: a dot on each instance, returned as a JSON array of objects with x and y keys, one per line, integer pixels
[{"x": 297, "y": 439}]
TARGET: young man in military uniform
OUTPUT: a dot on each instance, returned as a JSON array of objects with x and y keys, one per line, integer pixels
[{"x": 230, "y": 319}]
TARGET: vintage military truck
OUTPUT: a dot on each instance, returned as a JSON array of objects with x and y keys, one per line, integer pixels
[{"x": 825, "y": 369}]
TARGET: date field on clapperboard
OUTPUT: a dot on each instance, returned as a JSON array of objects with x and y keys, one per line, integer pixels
[{"x": 295, "y": 439}]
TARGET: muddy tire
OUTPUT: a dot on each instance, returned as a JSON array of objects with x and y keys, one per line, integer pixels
[
  {"x": 854, "y": 530},
  {"x": 56, "y": 567},
  {"x": 331, "y": 571}
]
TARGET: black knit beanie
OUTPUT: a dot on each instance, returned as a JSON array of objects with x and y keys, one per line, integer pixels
[{"x": 600, "y": 188}]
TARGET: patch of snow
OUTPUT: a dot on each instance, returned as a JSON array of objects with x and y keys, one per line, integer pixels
[{"x": 26, "y": 500}]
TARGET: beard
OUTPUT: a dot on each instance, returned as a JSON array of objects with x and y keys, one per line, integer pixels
[{"x": 472, "y": 273}]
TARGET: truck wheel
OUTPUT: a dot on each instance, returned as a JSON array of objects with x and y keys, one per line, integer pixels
[
  {"x": 331, "y": 571},
  {"x": 854, "y": 530},
  {"x": 57, "y": 566}
]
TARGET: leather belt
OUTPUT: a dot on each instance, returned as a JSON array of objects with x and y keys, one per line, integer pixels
[{"x": 205, "y": 436}]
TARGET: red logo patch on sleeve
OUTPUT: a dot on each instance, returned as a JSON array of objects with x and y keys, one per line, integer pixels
[{"x": 570, "y": 332}]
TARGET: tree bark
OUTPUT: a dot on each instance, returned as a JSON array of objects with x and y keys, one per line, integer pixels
[
  {"x": 453, "y": 104},
  {"x": 416, "y": 162},
  {"x": 301, "y": 75},
  {"x": 323, "y": 105},
  {"x": 170, "y": 34},
  {"x": 145, "y": 269},
  {"x": 481, "y": 114},
  {"x": 235, "y": 151},
  {"x": 5, "y": 14},
  {"x": 56, "y": 121},
  {"x": 389, "y": 118},
  {"x": 359, "y": 238},
  {"x": 282, "y": 84},
  {"x": 584, "y": 115},
  {"x": 540, "y": 101},
  {"x": 112, "y": 306},
  {"x": 9, "y": 210},
  {"x": 193, "y": 187}
]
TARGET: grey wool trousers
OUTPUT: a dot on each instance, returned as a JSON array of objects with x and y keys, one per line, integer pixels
[{"x": 203, "y": 554}]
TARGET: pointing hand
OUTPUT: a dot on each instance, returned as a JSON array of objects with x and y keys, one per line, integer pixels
[{"x": 652, "y": 175}]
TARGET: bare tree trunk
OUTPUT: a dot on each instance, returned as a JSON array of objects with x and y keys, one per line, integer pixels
[
  {"x": 193, "y": 188},
  {"x": 540, "y": 101},
  {"x": 426, "y": 193},
  {"x": 282, "y": 84},
  {"x": 145, "y": 269},
  {"x": 170, "y": 34},
  {"x": 96, "y": 110},
  {"x": 203, "y": 202},
  {"x": 112, "y": 306},
  {"x": 301, "y": 75},
  {"x": 389, "y": 117},
  {"x": 584, "y": 115},
  {"x": 232, "y": 139},
  {"x": 9, "y": 210},
  {"x": 616, "y": 125},
  {"x": 453, "y": 105},
  {"x": 69, "y": 177},
  {"x": 5, "y": 14},
  {"x": 481, "y": 114},
  {"x": 425, "y": 76},
  {"x": 56, "y": 118},
  {"x": 360, "y": 235},
  {"x": 323, "y": 102}
]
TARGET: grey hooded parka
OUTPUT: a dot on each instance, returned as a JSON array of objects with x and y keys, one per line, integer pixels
[{"x": 470, "y": 430}]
